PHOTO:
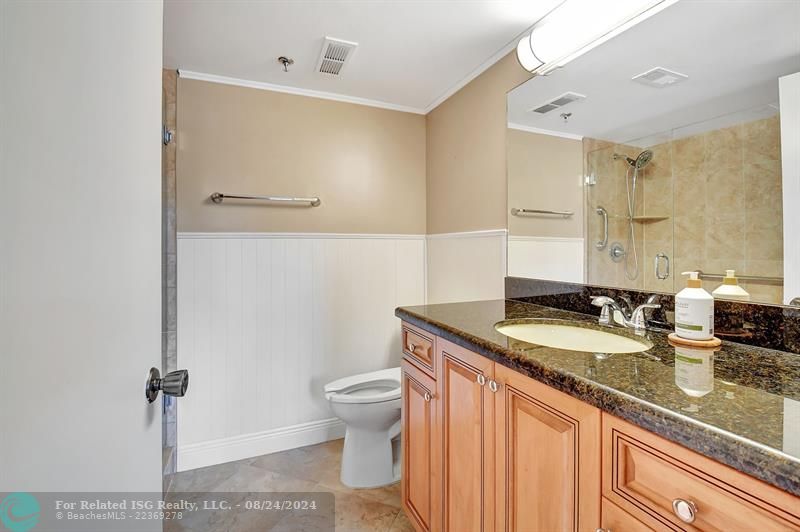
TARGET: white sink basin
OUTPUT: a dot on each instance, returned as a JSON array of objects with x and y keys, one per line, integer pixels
[{"x": 561, "y": 335}]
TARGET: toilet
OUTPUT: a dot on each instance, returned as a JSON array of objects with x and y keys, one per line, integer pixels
[{"x": 369, "y": 405}]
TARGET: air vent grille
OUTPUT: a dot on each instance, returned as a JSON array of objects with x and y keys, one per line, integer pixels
[
  {"x": 555, "y": 103},
  {"x": 546, "y": 108},
  {"x": 659, "y": 77},
  {"x": 329, "y": 66},
  {"x": 334, "y": 56}
]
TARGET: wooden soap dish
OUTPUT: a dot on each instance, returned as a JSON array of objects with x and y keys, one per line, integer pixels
[{"x": 675, "y": 339}]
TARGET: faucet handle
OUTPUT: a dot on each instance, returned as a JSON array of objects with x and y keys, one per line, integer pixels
[
  {"x": 637, "y": 317},
  {"x": 606, "y": 303},
  {"x": 601, "y": 301}
]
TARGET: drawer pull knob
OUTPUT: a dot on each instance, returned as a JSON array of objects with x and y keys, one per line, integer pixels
[
  {"x": 412, "y": 347},
  {"x": 685, "y": 510},
  {"x": 481, "y": 379},
  {"x": 427, "y": 397},
  {"x": 603, "y": 530},
  {"x": 493, "y": 386}
]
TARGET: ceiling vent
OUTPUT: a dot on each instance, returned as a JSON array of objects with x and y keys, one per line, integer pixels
[
  {"x": 334, "y": 56},
  {"x": 659, "y": 77},
  {"x": 555, "y": 103}
]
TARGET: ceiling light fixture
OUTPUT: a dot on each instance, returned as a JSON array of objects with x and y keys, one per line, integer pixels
[{"x": 577, "y": 26}]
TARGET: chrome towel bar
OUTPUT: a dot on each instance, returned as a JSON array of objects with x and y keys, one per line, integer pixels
[
  {"x": 522, "y": 212},
  {"x": 217, "y": 197},
  {"x": 767, "y": 280}
]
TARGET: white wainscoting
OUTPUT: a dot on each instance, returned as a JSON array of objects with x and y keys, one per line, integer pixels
[
  {"x": 266, "y": 320},
  {"x": 466, "y": 266},
  {"x": 557, "y": 259}
]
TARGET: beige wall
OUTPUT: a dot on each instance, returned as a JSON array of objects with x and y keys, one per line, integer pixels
[
  {"x": 466, "y": 153},
  {"x": 366, "y": 164},
  {"x": 544, "y": 172}
]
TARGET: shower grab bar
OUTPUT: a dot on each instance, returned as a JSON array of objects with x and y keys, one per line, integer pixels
[
  {"x": 217, "y": 197},
  {"x": 520, "y": 212},
  {"x": 601, "y": 244},
  {"x": 763, "y": 279}
]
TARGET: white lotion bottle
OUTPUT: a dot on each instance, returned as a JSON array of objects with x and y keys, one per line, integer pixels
[
  {"x": 730, "y": 289},
  {"x": 694, "y": 310}
]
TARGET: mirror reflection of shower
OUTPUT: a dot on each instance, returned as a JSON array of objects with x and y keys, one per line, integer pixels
[{"x": 634, "y": 165}]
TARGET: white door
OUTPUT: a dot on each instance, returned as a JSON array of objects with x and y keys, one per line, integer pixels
[{"x": 80, "y": 266}]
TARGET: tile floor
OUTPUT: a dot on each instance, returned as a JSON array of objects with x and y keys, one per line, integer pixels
[{"x": 314, "y": 468}]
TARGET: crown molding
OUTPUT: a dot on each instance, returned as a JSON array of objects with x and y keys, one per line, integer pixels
[
  {"x": 213, "y": 78},
  {"x": 483, "y": 67},
  {"x": 529, "y": 129}
]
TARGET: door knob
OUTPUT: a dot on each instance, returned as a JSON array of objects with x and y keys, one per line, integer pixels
[{"x": 174, "y": 383}]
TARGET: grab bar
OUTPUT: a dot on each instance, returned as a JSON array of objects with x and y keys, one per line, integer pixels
[
  {"x": 217, "y": 197},
  {"x": 518, "y": 212},
  {"x": 601, "y": 244},
  {"x": 660, "y": 256}
]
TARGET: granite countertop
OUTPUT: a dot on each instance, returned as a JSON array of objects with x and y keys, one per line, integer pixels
[{"x": 739, "y": 405}]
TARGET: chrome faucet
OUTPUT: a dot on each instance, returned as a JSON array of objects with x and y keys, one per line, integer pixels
[{"x": 635, "y": 320}]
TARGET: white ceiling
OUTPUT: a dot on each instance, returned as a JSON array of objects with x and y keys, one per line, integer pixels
[
  {"x": 411, "y": 53},
  {"x": 732, "y": 51}
]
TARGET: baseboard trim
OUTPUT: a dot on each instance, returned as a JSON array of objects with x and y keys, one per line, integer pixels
[{"x": 223, "y": 450}]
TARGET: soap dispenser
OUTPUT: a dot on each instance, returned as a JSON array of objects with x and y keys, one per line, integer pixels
[
  {"x": 694, "y": 310},
  {"x": 730, "y": 289}
]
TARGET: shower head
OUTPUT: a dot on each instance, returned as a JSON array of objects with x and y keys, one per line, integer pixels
[{"x": 642, "y": 160}]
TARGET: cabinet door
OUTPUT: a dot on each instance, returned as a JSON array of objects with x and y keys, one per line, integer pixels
[
  {"x": 421, "y": 478},
  {"x": 466, "y": 411},
  {"x": 548, "y": 477}
]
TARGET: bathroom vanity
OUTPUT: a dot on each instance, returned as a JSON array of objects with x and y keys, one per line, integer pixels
[{"x": 500, "y": 434}]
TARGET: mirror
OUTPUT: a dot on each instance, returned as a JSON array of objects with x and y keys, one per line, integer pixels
[{"x": 664, "y": 150}]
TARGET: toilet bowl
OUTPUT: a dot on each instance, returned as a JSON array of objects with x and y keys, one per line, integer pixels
[{"x": 369, "y": 405}]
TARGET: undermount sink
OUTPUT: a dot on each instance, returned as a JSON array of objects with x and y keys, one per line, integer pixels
[{"x": 562, "y": 335}]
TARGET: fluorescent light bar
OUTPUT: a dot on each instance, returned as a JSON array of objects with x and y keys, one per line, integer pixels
[{"x": 577, "y": 26}]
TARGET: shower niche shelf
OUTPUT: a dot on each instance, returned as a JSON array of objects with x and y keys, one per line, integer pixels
[{"x": 649, "y": 219}]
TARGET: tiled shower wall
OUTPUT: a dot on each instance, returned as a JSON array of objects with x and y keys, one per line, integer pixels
[
  {"x": 169, "y": 310},
  {"x": 720, "y": 192}
]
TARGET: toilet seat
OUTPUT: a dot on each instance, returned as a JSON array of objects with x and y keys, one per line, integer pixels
[{"x": 373, "y": 387}]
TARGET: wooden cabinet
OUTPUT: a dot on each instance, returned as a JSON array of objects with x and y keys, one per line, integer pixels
[
  {"x": 421, "y": 478},
  {"x": 667, "y": 486},
  {"x": 418, "y": 346},
  {"x": 488, "y": 449},
  {"x": 549, "y": 468},
  {"x": 466, "y": 410},
  {"x": 615, "y": 519}
]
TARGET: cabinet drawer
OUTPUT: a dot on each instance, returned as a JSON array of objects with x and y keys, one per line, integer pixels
[
  {"x": 656, "y": 480},
  {"x": 418, "y": 345},
  {"x": 615, "y": 519}
]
